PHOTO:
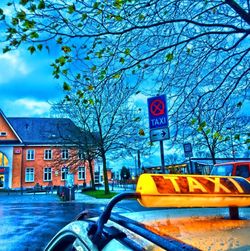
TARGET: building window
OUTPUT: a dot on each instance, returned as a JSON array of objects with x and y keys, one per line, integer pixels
[
  {"x": 64, "y": 172},
  {"x": 3, "y": 160},
  {"x": 97, "y": 180},
  {"x": 47, "y": 174},
  {"x": 47, "y": 154},
  {"x": 81, "y": 173},
  {"x": 30, "y": 154},
  {"x": 81, "y": 154},
  {"x": 29, "y": 174},
  {"x": 65, "y": 153}
]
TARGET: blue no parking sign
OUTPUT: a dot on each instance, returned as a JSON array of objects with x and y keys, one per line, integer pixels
[{"x": 157, "y": 110}]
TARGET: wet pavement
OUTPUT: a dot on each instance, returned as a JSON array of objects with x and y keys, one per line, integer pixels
[{"x": 29, "y": 221}]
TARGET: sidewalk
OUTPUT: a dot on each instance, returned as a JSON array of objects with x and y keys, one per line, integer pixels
[{"x": 42, "y": 197}]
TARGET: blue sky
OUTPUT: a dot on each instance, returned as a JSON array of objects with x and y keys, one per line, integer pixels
[{"x": 27, "y": 87}]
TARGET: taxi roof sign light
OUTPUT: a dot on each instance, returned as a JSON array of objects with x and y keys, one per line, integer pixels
[{"x": 165, "y": 190}]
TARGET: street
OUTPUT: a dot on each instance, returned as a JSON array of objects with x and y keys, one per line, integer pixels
[
  {"x": 29, "y": 226},
  {"x": 28, "y": 222}
]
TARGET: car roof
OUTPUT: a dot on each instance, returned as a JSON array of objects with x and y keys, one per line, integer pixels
[{"x": 198, "y": 227}]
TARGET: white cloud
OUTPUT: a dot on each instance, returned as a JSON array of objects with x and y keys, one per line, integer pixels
[
  {"x": 26, "y": 108},
  {"x": 12, "y": 66}
]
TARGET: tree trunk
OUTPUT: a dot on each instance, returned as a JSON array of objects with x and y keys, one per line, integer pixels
[
  {"x": 92, "y": 178},
  {"x": 105, "y": 176},
  {"x": 213, "y": 157}
]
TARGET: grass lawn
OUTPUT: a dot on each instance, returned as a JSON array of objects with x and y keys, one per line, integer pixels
[{"x": 99, "y": 194}]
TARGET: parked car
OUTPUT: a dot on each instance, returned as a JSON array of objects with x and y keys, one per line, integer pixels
[
  {"x": 174, "y": 224},
  {"x": 232, "y": 169}
]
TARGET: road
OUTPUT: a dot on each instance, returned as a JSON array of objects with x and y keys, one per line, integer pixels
[{"x": 29, "y": 226}]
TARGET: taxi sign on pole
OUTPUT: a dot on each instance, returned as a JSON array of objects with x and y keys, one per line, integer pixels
[{"x": 157, "y": 110}]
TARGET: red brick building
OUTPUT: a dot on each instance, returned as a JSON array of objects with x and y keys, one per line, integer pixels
[{"x": 43, "y": 151}]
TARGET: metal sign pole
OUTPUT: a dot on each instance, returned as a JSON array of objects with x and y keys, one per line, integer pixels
[{"x": 162, "y": 157}]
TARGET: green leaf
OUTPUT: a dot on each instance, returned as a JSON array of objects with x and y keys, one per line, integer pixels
[
  {"x": 170, "y": 56},
  {"x": 66, "y": 87},
  {"x": 65, "y": 72},
  {"x": 137, "y": 119},
  {"x": 93, "y": 68},
  {"x": 14, "y": 42},
  {"x": 80, "y": 94},
  {"x": 216, "y": 135},
  {"x": 78, "y": 76},
  {"x": 66, "y": 49},
  {"x": 32, "y": 49},
  {"x": 71, "y": 9},
  {"x": 193, "y": 121},
  {"x": 21, "y": 15},
  {"x": 15, "y": 21},
  {"x": 34, "y": 35},
  {"x": 122, "y": 60},
  {"x": 40, "y": 47},
  {"x": 32, "y": 8},
  {"x": 127, "y": 51},
  {"x": 116, "y": 76},
  {"x": 203, "y": 124},
  {"x": 96, "y": 5},
  {"x": 237, "y": 136},
  {"x": 141, "y": 132},
  {"x": 141, "y": 17},
  {"x": 84, "y": 16},
  {"x": 6, "y": 49},
  {"x": 67, "y": 98},
  {"x": 41, "y": 5},
  {"x": 118, "y": 4},
  {"x": 24, "y": 37},
  {"x": 247, "y": 141},
  {"x": 208, "y": 131},
  {"x": 23, "y": 2},
  {"x": 91, "y": 101},
  {"x": 61, "y": 60},
  {"x": 118, "y": 18},
  {"x": 59, "y": 40},
  {"x": 239, "y": 104}
]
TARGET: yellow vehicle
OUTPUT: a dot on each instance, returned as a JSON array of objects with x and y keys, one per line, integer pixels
[{"x": 189, "y": 212}]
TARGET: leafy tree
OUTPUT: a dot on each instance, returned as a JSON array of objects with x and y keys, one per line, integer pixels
[
  {"x": 107, "y": 116},
  {"x": 176, "y": 46},
  {"x": 217, "y": 130}
]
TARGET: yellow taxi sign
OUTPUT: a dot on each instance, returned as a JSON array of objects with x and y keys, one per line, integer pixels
[{"x": 165, "y": 190}]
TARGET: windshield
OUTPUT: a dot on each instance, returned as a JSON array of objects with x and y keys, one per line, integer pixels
[{"x": 224, "y": 170}]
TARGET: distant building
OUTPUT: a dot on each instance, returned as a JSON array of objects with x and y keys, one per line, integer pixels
[{"x": 42, "y": 150}]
